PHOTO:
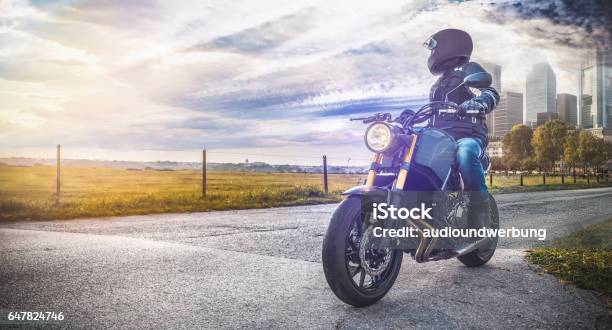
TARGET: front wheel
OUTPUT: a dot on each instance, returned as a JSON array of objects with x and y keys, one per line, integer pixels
[
  {"x": 357, "y": 276},
  {"x": 481, "y": 256}
]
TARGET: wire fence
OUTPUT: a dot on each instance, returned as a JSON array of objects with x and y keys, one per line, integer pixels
[
  {"x": 504, "y": 180},
  {"x": 327, "y": 168},
  {"x": 493, "y": 180},
  {"x": 313, "y": 157}
]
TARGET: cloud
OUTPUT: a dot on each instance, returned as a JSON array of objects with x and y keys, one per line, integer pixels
[
  {"x": 574, "y": 23},
  {"x": 381, "y": 48},
  {"x": 264, "y": 37},
  {"x": 387, "y": 104},
  {"x": 250, "y": 74}
]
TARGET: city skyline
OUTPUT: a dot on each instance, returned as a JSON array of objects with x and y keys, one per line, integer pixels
[{"x": 595, "y": 108}]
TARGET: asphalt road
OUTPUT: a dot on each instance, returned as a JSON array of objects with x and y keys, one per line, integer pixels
[{"x": 261, "y": 268}]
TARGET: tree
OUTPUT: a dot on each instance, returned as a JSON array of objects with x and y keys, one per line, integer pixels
[
  {"x": 541, "y": 147},
  {"x": 496, "y": 164},
  {"x": 587, "y": 149},
  {"x": 601, "y": 153},
  {"x": 548, "y": 143},
  {"x": 529, "y": 164},
  {"x": 517, "y": 147},
  {"x": 570, "y": 149},
  {"x": 607, "y": 151}
]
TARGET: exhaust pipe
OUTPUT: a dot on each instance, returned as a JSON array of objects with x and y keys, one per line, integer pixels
[{"x": 473, "y": 246}]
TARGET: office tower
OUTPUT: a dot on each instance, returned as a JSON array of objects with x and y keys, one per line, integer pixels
[
  {"x": 567, "y": 108},
  {"x": 540, "y": 92},
  {"x": 595, "y": 97},
  {"x": 495, "y": 149},
  {"x": 509, "y": 112},
  {"x": 544, "y": 117},
  {"x": 495, "y": 71}
]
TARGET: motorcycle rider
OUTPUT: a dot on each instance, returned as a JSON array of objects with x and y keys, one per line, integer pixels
[{"x": 450, "y": 59}]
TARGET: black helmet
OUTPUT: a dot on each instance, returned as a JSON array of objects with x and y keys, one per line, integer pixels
[{"x": 450, "y": 48}]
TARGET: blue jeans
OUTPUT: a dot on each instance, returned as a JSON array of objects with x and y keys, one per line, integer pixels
[{"x": 469, "y": 151}]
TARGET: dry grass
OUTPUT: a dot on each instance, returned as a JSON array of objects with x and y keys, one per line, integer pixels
[{"x": 29, "y": 192}]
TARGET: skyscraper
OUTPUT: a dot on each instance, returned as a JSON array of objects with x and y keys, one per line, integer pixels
[
  {"x": 595, "y": 97},
  {"x": 508, "y": 113},
  {"x": 544, "y": 117},
  {"x": 567, "y": 108},
  {"x": 495, "y": 71},
  {"x": 540, "y": 92}
]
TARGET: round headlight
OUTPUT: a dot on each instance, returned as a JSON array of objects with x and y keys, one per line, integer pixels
[{"x": 378, "y": 137}]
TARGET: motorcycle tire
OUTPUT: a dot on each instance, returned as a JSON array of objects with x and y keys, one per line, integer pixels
[
  {"x": 483, "y": 255},
  {"x": 335, "y": 259}
]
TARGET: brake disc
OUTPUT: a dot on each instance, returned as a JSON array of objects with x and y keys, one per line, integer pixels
[{"x": 373, "y": 261}]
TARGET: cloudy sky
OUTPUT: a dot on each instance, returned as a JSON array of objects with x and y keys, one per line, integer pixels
[{"x": 266, "y": 80}]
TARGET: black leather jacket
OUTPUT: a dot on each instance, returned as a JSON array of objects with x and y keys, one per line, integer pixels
[{"x": 467, "y": 126}]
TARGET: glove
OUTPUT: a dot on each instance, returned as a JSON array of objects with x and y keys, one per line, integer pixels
[
  {"x": 407, "y": 113},
  {"x": 472, "y": 104}
]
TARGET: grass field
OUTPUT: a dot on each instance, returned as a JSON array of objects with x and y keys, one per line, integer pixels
[
  {"x": 583, "y": 258},
  {"x": 28, "y": 193}
]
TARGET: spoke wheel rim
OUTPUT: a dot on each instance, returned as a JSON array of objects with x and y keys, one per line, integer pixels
[{"x": 359, "y": 277}]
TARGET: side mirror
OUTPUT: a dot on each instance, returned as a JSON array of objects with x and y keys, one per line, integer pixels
[{"x": 478, "y": 80}]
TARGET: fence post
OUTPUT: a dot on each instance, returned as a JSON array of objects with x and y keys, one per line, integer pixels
[
  {"x": 562, "y": 178},
  {"x": 588, "y": 179},
  {"x": 325, "y": 188},
  {"x": 491, "y": 180},
  {"x": 543, "y": 178},
  {"x": 57, "y": 182},
  {"x": 574, "y": 176},
  {"x": 203, "y": 173},
  {"x": 521, "y": 179}
]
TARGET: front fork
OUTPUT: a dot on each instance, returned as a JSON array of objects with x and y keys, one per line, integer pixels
[
  {"x": 376, "y": 161},
  {"x": 426, "y": 244},
  {"x": 404, "y": 167}
]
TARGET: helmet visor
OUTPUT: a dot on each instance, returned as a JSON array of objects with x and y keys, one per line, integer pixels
[{"x": 430, "y": 43}]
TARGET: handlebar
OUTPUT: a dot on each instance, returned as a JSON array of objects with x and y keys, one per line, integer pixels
[
  {"x": 381, "y": 116},
  {"x": 442, "y": 107}
]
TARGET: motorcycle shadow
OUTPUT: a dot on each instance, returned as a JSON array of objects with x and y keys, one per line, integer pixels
[{"x": 505, "y": 293}]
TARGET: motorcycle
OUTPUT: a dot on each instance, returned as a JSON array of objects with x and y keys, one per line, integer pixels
[{"x": 410, "y": 155}]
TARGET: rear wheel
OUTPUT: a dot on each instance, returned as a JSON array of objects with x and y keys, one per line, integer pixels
[
  {"x": 482, "y": 255},
  {"x": 357, "y": 276}
]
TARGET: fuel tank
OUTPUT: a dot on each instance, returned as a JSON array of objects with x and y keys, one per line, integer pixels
[{"x": 432, "y": 160}]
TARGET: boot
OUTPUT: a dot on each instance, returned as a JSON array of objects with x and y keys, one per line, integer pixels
[{"x": 479, "y": 211}]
